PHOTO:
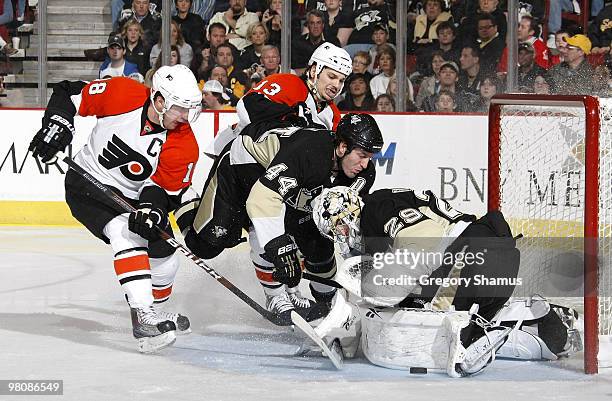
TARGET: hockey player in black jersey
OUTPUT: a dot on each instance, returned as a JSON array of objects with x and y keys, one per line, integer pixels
[
  {"x": 389, "y": 221},
  {"x": 392, "y": 219},
  {"x": 264, "y": 181}
]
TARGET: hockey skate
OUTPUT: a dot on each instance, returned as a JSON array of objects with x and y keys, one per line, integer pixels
[
  {"x": 183, "y": 326},
  {"x": 281, "y": 305},
  {"x": 299, "y": 302},
  {"x": 481, "y": 352},
  {"x": 152, "y": 331}
]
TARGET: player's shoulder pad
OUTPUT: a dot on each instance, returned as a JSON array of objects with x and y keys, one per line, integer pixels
[
  {"x": 286, "y": 79},
  {"x": 108, "y": 97},
  {"x": 387, "y": 193},
  {"x": 288, "y": 89}
]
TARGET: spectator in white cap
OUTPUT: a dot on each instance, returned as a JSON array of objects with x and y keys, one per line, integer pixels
[{"x": 214, "y": 96}]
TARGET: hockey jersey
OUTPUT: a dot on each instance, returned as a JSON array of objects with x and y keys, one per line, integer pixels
[
  {"x": 278, "y": 95},
  {"x": 125, "y": 149},
  {"x": 276, "y": 98},
  {"x": 298, "y": 164},
  {"x": 392, "y": 214}
]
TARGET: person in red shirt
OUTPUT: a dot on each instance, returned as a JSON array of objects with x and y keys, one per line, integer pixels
[
  {"x": 143, "y": 148},
  {"x": 526, "y": 33}
]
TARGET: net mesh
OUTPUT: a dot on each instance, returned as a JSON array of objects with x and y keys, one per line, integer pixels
[{"x": 542, "y": 173}]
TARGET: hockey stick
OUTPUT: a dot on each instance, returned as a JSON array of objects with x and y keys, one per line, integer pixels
[
  {"x": 119, "y": 201},
  {"x": 321, "y": 280},
  {"x": 334, "y": 353}
]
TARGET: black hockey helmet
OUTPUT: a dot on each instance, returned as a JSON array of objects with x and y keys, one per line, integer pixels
[{"x": 360, "y": 130}]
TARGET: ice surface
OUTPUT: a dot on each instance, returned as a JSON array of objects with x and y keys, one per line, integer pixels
[{"x": 63, "y": 316}]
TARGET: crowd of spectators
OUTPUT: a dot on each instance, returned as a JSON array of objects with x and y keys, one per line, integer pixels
[{"x": 456, "y": 54}]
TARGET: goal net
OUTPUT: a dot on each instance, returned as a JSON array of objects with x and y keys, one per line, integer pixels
[{"x": 550, "y": 173}]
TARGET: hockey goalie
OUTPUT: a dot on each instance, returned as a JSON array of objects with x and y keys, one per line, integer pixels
[{"x": 428, "y": 287}]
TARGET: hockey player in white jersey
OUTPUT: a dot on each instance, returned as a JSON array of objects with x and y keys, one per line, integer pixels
[
  {"x": 425, "y": 322},
  {"x": 143, "y": 148}
]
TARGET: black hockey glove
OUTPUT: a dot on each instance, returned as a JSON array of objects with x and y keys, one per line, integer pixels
[
  {"x": 282, "y": 252},
  {"x": 144, "y": 220},
  {"x": 56, "y": 133},
  {"x": 300, "y": 116}
]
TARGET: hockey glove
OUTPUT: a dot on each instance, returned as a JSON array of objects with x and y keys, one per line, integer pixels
[
  {"x": 56, "y": 133},
  {"x": 145, "y": 219},
  {"x": 300, "y": 116},
  {"x": 282, "y": 252}
]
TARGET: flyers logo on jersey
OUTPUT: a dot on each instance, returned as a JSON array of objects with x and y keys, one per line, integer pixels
[
  {"x": 132, "y": 164},
  {"x": 148, "y": 128}
]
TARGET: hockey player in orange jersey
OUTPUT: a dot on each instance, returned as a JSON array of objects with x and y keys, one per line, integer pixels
[
  {"x": 143, "y": 148},
  {"x": 307, "y": 99},
  {"x": 310, "y": 96}
]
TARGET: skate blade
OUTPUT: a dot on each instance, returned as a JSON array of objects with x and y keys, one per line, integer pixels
[{"x": 147, "y": 345}]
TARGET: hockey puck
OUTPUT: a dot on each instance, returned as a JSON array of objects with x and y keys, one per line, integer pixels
[{"x": 418, "y": 371}]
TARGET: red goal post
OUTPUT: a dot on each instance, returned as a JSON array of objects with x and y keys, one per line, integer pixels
[{"x": 566, "y": 140}]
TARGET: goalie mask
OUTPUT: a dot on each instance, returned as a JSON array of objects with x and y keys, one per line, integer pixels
[{"x": 336, "y": 212}]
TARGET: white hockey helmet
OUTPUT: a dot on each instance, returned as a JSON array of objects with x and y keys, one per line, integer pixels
[
  {"x": 332, "y": 56},
  {"x": 178, "y": 86},
  {"x": 337, "y": 212}
]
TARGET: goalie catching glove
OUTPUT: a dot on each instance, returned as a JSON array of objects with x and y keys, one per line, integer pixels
[
  {"x": 56, "y": 133},
  {"x": 145, "y": 219},
  {"x": 282, "y": 252}
]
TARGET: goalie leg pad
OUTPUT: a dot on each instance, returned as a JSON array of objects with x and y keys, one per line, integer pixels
[
  {"x": 401, "y": 338},
  {"x": 542, "y": 330},
  {"x": 525, "y": 346},
  {"x": 343, "y": 323}
]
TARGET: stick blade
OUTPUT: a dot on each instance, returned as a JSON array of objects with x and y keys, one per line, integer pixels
[{"x": 334, "y": 354}]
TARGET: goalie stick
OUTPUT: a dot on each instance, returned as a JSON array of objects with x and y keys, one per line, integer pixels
[
  {"x": 334, "y": 353},
  {"x": 122, "y": 203}
]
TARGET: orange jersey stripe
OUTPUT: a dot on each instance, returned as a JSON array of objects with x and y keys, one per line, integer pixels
[
  {"x": 337, "y": 116},
  {"x": 132, "y": 263},
  {"x": 265, "y": 277},
  {"x": 109, "y": 97},
  {"x": 160, "y": 294}
]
